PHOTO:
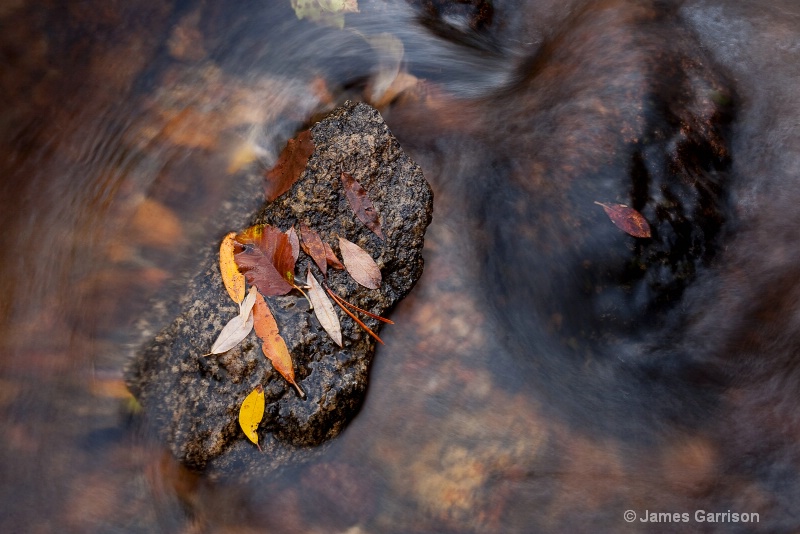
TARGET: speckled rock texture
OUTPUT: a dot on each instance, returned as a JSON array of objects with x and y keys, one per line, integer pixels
[{"x": 193, "y": 401}]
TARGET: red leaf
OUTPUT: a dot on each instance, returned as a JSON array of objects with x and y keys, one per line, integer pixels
[
  {"x": 290, "y": 165},
  {"x": 361, "y": 204},
  {"x": 627, "y": 219},
  {"x": 266, "y": 259},
  {"x": 330, "y": 257},
  {"x": 314, "y": 247}
]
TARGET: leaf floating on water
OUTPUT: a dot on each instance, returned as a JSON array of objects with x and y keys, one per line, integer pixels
[
  {"x": 361, "y": 204},
  {"x": 273, "y": 345},
  {"x": 314, "y": 247},
  {"x": 251, "y": 412},
  {"x": 294, "y": 242},
  {"x": 266, "y": 259},
  {"x": 627, "y": 219},
  {"x": 323, "y": 309},
  {"x": 290, "y": 165},
  {"x": 328, "y": 12},
  {"x": 231, "y": 277},
  {"x": 331, "y": 259},
  {"x": 360, "y": 264},
  {"x": 237, "y": 328}
]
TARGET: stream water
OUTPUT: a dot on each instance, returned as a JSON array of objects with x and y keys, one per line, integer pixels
[{"x": 548, "y": 373}]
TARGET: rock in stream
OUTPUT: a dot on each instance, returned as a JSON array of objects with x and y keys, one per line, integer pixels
[{"x": 193, "y": 401}]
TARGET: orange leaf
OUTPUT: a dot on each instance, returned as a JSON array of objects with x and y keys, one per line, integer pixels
[
  {"x": 330, "y": 257},
  {"x": 360, "y": 264},
  {"x": 361, "y": 204},
  {"x": 314, "y": 247},
  {"x": 290, "y": 165},
  {"x": 231, "y": 277},
  {"x": 273, "y": 345},
  {"x": 627, "y": 219},
  {"x": 267, "y": 260}
]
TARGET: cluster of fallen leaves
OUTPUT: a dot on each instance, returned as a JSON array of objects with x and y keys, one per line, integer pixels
[{"x": 264, "y": 257}]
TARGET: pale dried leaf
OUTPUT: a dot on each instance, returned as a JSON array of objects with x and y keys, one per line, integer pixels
[
  {"x": 232, "y": 334},
  {"x": 237, "y": 328},
  {"x": 323, "y": 309},
  {"x": 360, "y": 264}
]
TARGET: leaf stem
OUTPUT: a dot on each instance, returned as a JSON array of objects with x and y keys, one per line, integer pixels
[
  {"x": 378, "y": 317},
  {"x": 339, "y": 301}
]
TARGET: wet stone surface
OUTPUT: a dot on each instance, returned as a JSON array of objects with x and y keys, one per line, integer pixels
[{"x": 193, "y": 401}]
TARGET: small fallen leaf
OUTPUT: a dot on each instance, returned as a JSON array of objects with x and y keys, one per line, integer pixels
[
  {"x": 331, "y": 259},
  {"x": 251, "y": 412},
  {"x": 267, "y": 259},
  {"x": 273, "y": 345},
  {"x": 627, "y": 219},
  {"x": 231, "y": 277},
  {"x": 328, "y": 12},
  {"x": 294, "y": 242},
  {"x": 237, "y": 328},
  {"x": 361, "y": 204},
  {"x": 314, "y": 247},
  {"x": 323, "y": 309},
  {"x": 290, "y": 165},
  {"x": 360, "y": 264}
]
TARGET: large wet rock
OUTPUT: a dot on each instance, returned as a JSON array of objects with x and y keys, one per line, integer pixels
[{"x": 193, "y": 401}]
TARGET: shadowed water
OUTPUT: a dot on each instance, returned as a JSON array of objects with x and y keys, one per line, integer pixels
[{"x": 547, "y": 373}]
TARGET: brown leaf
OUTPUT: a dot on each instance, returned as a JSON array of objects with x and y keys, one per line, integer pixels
[
  {"x": 294, "y": 242},
  {"x": 323, "y": 309},
  {"x": 231, "y": 277},
  {"x": 331, "y": 259},
  {"x": 267, "y": 260},
  {"x": 314, "y": 247},
  {"x": 361, "y": 204},
  {"x": 290, "y": 165},
  {"x": 627, "y": 219},
  {"x": 360, "y": 264},
  {"x": 273, "y": 345}
]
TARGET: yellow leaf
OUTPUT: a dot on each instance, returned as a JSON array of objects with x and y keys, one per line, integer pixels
[
  {"x": 251, "y": 412},
  {"x": 231, "y": 277},
  {"x": 273, "y": 345}
]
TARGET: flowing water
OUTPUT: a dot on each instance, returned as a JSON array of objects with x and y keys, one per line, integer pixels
[{"x": 548, "y": 372}]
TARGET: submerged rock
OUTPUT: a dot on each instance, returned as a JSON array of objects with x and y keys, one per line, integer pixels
[{"x": 193, "y": 401}]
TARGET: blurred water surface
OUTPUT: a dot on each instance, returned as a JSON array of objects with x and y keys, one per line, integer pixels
[{"x": 127, "y": 126}]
